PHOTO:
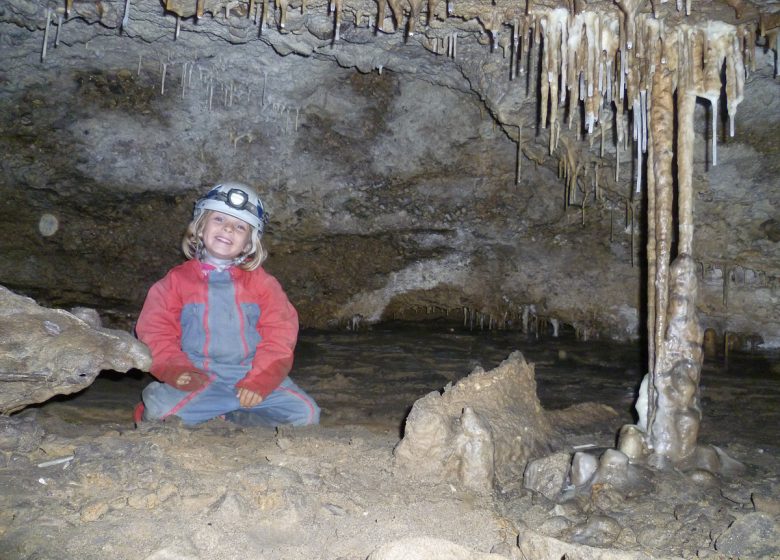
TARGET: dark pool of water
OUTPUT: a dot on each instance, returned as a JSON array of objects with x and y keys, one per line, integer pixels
[{"x": 372, "y": 377}]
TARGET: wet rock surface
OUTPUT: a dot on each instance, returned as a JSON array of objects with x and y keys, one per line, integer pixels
[{"x": 218, "y": 491}]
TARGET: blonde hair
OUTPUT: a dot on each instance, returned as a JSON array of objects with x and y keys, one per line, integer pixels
[{"x": 192, "y": 244}]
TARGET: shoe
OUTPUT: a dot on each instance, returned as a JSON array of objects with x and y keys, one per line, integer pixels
[{"x": 138, "y": 413}]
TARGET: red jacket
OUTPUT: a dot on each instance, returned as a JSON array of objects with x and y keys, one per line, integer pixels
[{"x": 236, "y": 324}]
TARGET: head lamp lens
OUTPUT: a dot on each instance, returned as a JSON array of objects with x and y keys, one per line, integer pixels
[{"x": 236, "y": 198}]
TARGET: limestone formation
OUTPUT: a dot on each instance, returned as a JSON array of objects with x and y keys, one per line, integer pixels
[
  {"x": 46, "y": 352},
  {"x": 481, "y": 431}
]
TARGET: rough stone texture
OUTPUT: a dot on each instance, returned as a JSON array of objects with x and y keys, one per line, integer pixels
[
  {"x": 548, "y": 475},
  {"x": 47, "y": 352},
  {"x": 426, "y": 548},
  {"x": 755, "y": 535},
  {"x": 389, "y": 171},
  {"x": 440, "y": 439},
  {"x": 534, "y": 545}
]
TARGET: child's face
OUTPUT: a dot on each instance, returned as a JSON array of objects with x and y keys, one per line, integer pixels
[{"x": 224, "y": 236}]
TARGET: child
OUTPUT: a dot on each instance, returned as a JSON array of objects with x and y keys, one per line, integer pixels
[{"x": 220, "y": 328}]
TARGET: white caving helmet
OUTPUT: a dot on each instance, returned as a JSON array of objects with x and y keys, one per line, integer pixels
[{"x": 237, "y": 200}]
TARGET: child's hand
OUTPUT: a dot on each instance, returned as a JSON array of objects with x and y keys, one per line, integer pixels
[
  {"x": 191, "y": 381},
  {"x": 248, "y": 399}
]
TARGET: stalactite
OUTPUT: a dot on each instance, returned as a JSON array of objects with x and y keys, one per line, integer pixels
[
  {"x": 266, "y": 12},
  {"x": 398, "y": 12},
  {"x": 432, "y": 5},
  {"x": 126, "y": 17},
  {"x": 46, "y": 35},
  {"x": 59, "y": 26},
  {"x": 518, "y": 174},
  {"x": 380, "y": 15},
  {"x": 283, "y": 14},
  {"x": 337, "y": 19},
  {"x": 513, "y": 59},
  {"x": 416, "y": 6}
]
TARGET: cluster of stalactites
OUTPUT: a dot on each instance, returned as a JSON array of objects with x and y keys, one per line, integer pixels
[
  {"x": 600, "y": 54},
  {"x": 595, "y": 58}
]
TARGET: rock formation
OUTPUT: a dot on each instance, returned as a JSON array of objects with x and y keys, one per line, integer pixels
[
  {"x": 47, "y": 352},
  {"x": 480, "y": 432}
]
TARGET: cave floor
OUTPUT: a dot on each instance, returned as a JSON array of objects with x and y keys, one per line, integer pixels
[{"x": 220, "y": 491}]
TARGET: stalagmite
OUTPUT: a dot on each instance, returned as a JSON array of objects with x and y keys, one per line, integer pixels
[{"x": 164, "y": 66}]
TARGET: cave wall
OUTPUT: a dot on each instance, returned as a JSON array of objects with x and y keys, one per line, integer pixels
[{"x": 389, "y": 171}]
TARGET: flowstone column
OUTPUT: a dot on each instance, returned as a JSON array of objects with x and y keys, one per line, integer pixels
[{"x": 675, "y": 340}]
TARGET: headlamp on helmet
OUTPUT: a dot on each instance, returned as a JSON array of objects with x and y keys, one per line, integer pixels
[{"x": 237, "y": 200}]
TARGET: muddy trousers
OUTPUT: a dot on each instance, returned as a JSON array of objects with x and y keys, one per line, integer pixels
[{"x": 287, "y": 405}]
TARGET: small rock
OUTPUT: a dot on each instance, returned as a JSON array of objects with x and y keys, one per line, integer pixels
[
  {"x": 166, "y": 491},
  {"x": 598, "y": 530},
  {"x": 631, "y": 442},
  {"x": 583, "y": 466},
  {"x": 93, "y": 512},
  {"x": 547, "y": 475},
  {"x": 702, "y": 477},
  {"x": 141, "y": 500},
  {"x": 554, "y": 526}
]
